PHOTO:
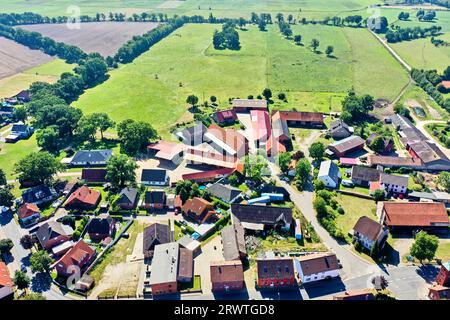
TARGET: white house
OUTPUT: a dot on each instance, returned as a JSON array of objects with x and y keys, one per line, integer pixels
[
  {"x": 368, "y": 232},
  {"x": 317, "y": 266},
  {"x": 392, "y": 183},
  {"x": 329, "y": 173}
]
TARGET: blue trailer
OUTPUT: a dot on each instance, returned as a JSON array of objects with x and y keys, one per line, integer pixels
[
  {"x": 274, "y": 196},
  {"x": 264, "y": 199}
]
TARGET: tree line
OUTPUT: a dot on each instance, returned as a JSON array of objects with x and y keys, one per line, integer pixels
[
  {"x": 399, "y": 34},
  {"x": 429, "y": 81}
]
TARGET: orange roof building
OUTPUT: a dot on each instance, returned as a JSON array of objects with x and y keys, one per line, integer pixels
[
  {"x": 80, "y": 255},
  {"x": 414, "y": 214},
  {"x": 83, "y": 198}
]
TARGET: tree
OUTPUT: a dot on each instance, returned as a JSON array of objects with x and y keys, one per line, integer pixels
[
  {"x": 93, "y": 71},
  {"x": 27, "y": 241},
  {"x": 21, "y": 280},
  {"x": 378, "y": 144},
  {"x": 267, "y": 93},
  {"x": 254, "y": 167},
  {"x": 262, "y": 25},
  {"x": 302, "y": 172},
  {"x": 317, "y": 151},
  {"x": 424, "y": 247},
  {"x": 47, "y": 138},
  {"x": 6, "y": 196},
  {"x": 380, "y": 282},
  {"x": 102, "y": 122},
  {"x": 38, "y": 167},
  {"x": 186, "y": 189},
  {"x": 20, "y": 114},
  {"x": 284, "y": 159},
  {"x": 315, "y": 44},
  {"x": 329, "y": 51},
  {"x": 378, "y": 195},
  {"x": 298, "y": 39},
  {"x": 444, "y": 180},
  {"x": 213, "y": 99},
  {"x": 40, "y": 261},
  {"x": 192, "y": 100},
  {"x": 134, "y": 136},
  {"x": 320, "y": 205},
  {"x": 121, "y": 171},
  {"x": 5, "y": 246},
  {"x": 3, "y": 180}
]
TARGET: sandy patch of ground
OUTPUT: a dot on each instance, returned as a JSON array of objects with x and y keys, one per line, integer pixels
[
  {"x": 102, "y": 37},
  {"x": 15, "y": 58},
  {"x": 212, "y": 251},
  {"x": 433, "y": 112}
]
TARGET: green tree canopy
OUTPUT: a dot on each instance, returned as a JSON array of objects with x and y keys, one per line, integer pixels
[
  {"x": 21, "y": 280},
  {"x": 121, "y": 171},
  {"x": 317, "y": 150},
  {"x": 424, "y": 247},
  {"x": 134, "y": 136},
  {"x": 37, "y": 167},
  {"x": 6, "y": 245}
]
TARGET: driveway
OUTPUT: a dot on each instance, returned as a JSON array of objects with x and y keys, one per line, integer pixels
[{"x": 212, "y": 251}]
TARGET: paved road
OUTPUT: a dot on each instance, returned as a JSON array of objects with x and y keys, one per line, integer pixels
[{"x": 10, "y": 230}]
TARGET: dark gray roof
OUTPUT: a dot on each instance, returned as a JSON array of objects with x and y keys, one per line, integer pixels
[
  {"x": 127, "y": 196},
  {"x": 365, "y": 173},
  {"x": 267, "y": 215},
  {"x": 19, "y": 128},
  {"x": 99, "y": 225},
  {"x": 154, "y": 196},
  {"x": 6, "y": 292},
  {"x": 154, "y": 175},
  {"x": 424, "y": 195},
  {"x": 89, "y": 156},
  {"x": 193, "y": 135},
  {"x": 394, "y": 180},
  {"x": 155, "y": 234},
  {"x": 38, "y": 193},
  {"x": 51, "y": 230},
  {"x": 226, "y": 193},
  {"x": 233, "y": 241}
]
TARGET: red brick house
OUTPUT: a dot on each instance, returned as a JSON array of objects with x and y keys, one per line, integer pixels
[
  {"x": 83, "y": 198},
  {"x": 275, "y": 273},
  {"x": 443, "y": 278},
  {"x": 227, "y": 276},
  {"x": 438, "y": 292},
  {"x": 208, "y": 176},
  {"x": 6, "y": 283},
  {"x": 199, "y": 210},
  {"x": 52, "y": 234},
  {"x": 154, "y": 200},
  {"x": 225, "y": 116},
  {"x": 80, "y": 255}
]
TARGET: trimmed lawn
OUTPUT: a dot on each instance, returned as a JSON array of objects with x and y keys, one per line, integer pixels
[
  {"x": 354, "y": 208},
  {"x": 154, "y": 87},
  {"x": 11, "y": 153},
  {"x": 443, "y": 251}
]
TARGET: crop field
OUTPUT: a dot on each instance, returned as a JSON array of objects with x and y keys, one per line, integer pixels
[
  {"x": 203, "y": 7},
  {"x": 102, "y": 37},
  {"x": 48, "y": 72},
  {"x": 15, "y": 58},
  {"x": 155, "y": 86}
]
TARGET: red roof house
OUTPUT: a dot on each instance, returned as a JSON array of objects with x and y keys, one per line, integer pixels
[
  {"x": 445, "y": 85},
  {"x": 225, "y": 116},
  {"x": 414, "y": 214},
  {"x": 80, "y": 255},
  {"x": 261, "y": 127},
  {"x": 199, "y": 210},
  {"x": 227, "y": 275},
  {"x": 83, "y": 198},
  {"x": 29, "y": 212},
  {"x": 208, "y": 176},
  {"x": 5, "y": 278}
]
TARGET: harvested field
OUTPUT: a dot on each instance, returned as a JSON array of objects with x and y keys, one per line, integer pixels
[
  {"x": 102, "y": 37},
  {"x": 15, "y": 58}
]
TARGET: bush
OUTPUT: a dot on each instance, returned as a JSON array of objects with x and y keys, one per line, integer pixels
[{"x": 341, "y": 210}]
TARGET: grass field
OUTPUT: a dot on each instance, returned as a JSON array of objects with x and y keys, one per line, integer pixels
[
  {"x": 154, "y": 87},
  {"x": 203, "y": 7},
  {"x": 10, "y": 153},
  {"x": 354, "y": 209},
  {"x": 48, "y": 72}
]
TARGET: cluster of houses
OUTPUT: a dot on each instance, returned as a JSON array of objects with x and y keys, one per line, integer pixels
[{"x": 7, "y": 106}]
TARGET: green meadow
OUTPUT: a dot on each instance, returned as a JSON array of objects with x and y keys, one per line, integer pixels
[{"x": 154, "y": 87}]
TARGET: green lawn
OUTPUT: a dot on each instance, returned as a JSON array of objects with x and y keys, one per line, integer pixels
[
  {"x": 432, "y": 110},
  {"x": 354, "y": 209},
  {"x": 443, "y": 251},
  {"x": 10, "y": 153},
  {"x": 154, "y": 87},
  {"x": 48, "y": 72}
]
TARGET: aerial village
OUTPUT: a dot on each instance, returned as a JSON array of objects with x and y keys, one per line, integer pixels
[{"x": 222, "y": 212}]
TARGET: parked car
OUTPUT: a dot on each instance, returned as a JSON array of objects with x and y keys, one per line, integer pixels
[{"x": 347, "y": 183}]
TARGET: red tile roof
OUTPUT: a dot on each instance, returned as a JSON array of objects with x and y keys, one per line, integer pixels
[
  {"x": 226, "y": 271},
  {"x": 446, "y": 84},
  {"x": 207, "y": 174},
  {"x": 78, "y": 255},
  {"x": 415, "y": 214},
  {"x": 301, "y": 116},
  {"x": 27, "y": 210},
  {"x": 5, "y": 278},
  {"x": 84, "y": 195},
  {"x": 261, "y": 124},
  {"x": 226, "y": 115}
]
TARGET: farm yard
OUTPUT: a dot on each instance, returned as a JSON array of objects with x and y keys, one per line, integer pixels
[
  {"x": 102, "y": 37},
  {"x": 15, "y": 58},
  {"x": 186, "y": 63}
]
